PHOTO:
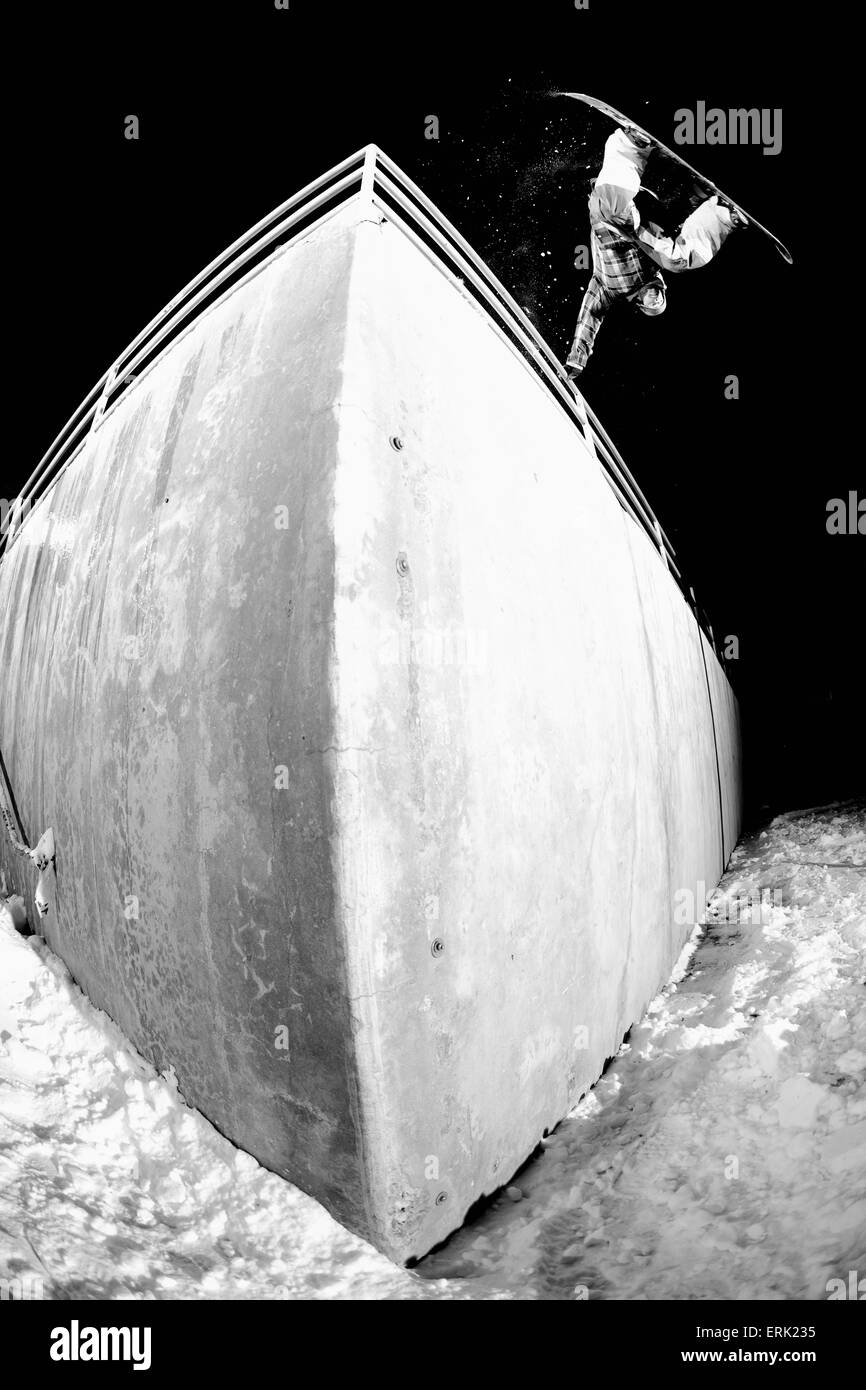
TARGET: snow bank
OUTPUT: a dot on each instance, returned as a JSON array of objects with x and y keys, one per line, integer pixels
[{"x": 722, "y": 1155}]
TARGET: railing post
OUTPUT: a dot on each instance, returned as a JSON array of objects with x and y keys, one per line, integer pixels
[
  {"x": 662, "y": 551},
  {"x": 101, "y": 403},
  {"x": 368, "y": 175}
]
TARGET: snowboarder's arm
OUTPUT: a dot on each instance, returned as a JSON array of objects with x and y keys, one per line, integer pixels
[
  {"x": 700, "y": 237},
  {"x": 596, "y": 303}
]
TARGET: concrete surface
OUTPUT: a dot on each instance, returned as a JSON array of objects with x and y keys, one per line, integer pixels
[
  {"x": 414, "y": 779},
  {"x": 163, "y": 649}
]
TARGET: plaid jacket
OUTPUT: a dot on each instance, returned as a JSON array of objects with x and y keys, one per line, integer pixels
[{"x": 619, "y": 270}]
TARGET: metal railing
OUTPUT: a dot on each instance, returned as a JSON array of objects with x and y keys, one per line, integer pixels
[
  {"x": 370, "y": 176},
  {"x": 228, "y": 267}
]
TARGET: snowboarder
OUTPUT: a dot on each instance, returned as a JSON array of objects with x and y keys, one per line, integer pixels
[{"x": 627, "y": 252}]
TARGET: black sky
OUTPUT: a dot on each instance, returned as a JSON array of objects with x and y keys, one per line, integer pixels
[{"x": 240, "y": 105}]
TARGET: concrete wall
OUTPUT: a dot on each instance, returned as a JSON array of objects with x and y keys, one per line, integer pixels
[
  {"x": 530, "y": 773},
  {"x": 488, "y": 692},
  {"x": 163, "y": 648}
]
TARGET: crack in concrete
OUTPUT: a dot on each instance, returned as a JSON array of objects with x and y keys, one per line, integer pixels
[
  {"x": 386, "y": 989},
  {"x": 350, "y": 748}
]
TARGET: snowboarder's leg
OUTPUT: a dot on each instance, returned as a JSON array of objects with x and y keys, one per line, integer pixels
[
  {"x": 700, "y": 238},
  {"x": 618, "y": 181}
]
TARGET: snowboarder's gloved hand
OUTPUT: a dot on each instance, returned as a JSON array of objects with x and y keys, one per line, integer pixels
[
  {"x": 738, "y": 218},
  {"x": 637, "y": 138}
]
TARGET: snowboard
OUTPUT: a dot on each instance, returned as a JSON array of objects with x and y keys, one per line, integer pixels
[{"x": 678, "y": 159}]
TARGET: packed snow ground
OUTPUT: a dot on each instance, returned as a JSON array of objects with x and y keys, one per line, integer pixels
[{"x": 722, "y": 1155}]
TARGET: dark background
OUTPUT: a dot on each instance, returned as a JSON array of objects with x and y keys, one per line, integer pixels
[{"x": 241, "y": 104}]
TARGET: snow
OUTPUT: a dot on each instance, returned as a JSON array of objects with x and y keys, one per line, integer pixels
[{"x": 721, "y": 1156}]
